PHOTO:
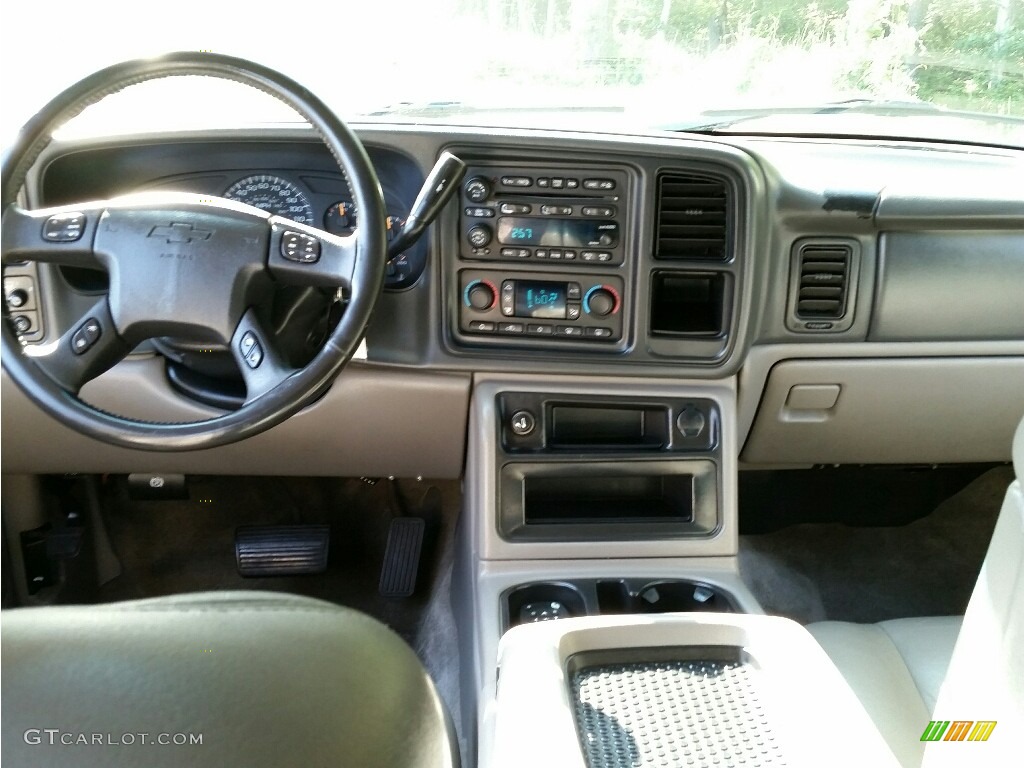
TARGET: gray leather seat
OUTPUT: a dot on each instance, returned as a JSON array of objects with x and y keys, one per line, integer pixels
[
  {"x": 910, "y": 671},
  {"x": 262, "y": 679}
]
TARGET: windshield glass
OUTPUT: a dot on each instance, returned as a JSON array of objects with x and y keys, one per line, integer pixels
[{"x": 934, "y": 69}]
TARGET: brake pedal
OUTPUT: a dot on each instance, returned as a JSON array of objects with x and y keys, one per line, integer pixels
[
  {"x": 281, "y": 550},
  {"x": 402, "y": 557}
]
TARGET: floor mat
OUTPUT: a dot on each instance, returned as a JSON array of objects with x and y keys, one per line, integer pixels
[{"x": 867, "y": 574}]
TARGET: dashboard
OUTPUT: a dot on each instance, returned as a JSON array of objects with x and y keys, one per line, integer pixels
[{"x": 837, "y": 287}]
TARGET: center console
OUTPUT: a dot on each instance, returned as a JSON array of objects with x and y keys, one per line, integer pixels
[{"x": 551, "y": 244}]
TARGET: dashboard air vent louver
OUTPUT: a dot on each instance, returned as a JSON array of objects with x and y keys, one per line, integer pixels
[
  {"x": 692, "y": 218},
  {"x": 824, "y": 272}
]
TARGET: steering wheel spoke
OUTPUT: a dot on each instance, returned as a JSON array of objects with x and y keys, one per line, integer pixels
[
  {"x": 261, "y": 363},
  {"x": 302, "y": 255},
  {"x": 61, "y": 235},
  {"x": 87, "y": 349}
]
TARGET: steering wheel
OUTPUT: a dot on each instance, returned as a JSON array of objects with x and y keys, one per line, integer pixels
[{"x": 191, "y": 267}]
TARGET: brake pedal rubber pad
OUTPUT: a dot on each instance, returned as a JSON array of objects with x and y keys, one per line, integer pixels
[
  {"x": 281, "y": 550},
  {"x": 402, "y": 557}
]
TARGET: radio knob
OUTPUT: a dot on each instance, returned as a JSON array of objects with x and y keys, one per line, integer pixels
[
  {"x": 477, "y": 190},
  {"x": 480, "y": 296},
  {"x": 600, "y": 302},
  {"x": 479, "y": 236}
]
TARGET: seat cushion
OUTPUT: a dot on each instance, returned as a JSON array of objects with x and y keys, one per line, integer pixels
[
  {"x": 264, "y": 679},
  {"x": 896, "y": 669}
]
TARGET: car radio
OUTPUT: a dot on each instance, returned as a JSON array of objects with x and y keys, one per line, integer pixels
[{"x": 543, "y": 215}]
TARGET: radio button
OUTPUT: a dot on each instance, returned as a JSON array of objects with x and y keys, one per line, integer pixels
[
  {"x": 544, "y": 182},
  {"x": 573, "y": 292},
  {"x": 541, "y": 253},
  {"x": 517, "y": 181},
  {"x": 598, "y": 211},
  {"x": 481, "y": 326},
  {"x": 569, "y": 331},
  {"x": 477, "y": 190},
  {"x": 569, "y": 255},
  {"x": 556, "y": 210},
  {"x": 572, "y": 183},
  {"x": 589, "y": 255},
  {"x": 557, "y": 183},
  {"x": 479, "y": 236},
  {"x": 572, "y": 312},
  {"x": 480, "y": 213},
  {"x": 510, "y": 328},
  {"x": 539, "y": 330},
  {"x": 600, "y": 184},
  {"x": 515, "y": 253},
  {"x": 599, "y": 333},
  {"x": 555, "y": 255},
  {"x": 515, "y": 208}
]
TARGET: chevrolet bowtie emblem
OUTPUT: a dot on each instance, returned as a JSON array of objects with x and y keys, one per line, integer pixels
[{"x": 180, "y": 232}]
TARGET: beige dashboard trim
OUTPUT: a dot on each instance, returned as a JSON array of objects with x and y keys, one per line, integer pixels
[{"x": 375, "y": 421}]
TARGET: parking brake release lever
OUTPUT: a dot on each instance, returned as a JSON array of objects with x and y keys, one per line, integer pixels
[{"x": 441, "y": 183}]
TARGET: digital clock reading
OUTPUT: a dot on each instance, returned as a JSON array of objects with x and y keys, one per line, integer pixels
[{"x": 540, "y": 299}]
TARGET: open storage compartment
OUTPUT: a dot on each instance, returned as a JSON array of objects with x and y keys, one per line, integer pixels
[{"x": 607, "y": 501}]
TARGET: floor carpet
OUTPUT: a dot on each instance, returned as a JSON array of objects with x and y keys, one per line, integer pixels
[{"x": 927, "y": 567}]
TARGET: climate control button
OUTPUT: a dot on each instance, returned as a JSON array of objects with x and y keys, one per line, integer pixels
[
  {"x": 601, "y": 301},
  {"x": 480, "y": 295}
]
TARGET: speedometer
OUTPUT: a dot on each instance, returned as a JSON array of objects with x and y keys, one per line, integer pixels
[{"x": 273, "y": 195}]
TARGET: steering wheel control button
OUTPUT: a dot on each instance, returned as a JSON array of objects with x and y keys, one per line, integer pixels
[
  {"x": 64, "y": 227},
  {"x": 690, "y": 422},
  {"x": 86, "y": 336},
  {"x": 296, "y": 246},
  {"x": 251, "y": 350},
  {"x": 523, "y": 423}
]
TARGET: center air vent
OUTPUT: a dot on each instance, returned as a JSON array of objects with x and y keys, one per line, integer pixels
[
  {"x": 692, "y": 218},
  {"x": 823, "y": 272}
]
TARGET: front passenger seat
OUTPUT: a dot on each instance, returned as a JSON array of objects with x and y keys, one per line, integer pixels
[
  {"x": 908, "y": 672},
  {"x": 262, "y": 679}
]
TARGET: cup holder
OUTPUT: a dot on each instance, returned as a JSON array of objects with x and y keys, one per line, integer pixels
[
  {"x": 680, "y": 596},
  {"x": 543, "y": 602}
]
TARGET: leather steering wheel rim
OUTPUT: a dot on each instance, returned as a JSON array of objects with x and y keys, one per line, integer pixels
[{"x": 291, "y": 394}]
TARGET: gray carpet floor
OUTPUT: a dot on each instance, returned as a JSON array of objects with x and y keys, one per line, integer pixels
[{"x": 868, "y": 574}]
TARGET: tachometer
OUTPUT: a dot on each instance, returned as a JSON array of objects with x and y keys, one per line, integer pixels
[{"x": 273, "y": 195}]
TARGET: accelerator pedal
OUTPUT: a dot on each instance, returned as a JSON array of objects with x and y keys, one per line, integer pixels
[
  {"x": 281, "y": 550},
  {"x": 402, "y": 557}
]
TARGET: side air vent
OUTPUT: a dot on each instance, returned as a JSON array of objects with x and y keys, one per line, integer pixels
[
  {"x": 693, "y": 218},
  {"x": 821, "y": 295}
]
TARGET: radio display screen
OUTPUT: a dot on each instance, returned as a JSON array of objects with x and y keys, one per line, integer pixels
[
  {"x": 540, "y": 299},
  {"x": 566, "y": 233}
]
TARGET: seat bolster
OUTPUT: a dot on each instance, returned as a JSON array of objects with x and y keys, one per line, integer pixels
[
  {"x": 926, "y": 645},
  {"x": 265, "y": 679},
  {"x": 873, "y": 667}
]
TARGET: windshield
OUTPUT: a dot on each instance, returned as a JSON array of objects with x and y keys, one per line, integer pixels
[{"x": 933, "y": 69}]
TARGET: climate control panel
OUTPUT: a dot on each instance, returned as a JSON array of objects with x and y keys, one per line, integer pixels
[{"x": 541, "y": 305}]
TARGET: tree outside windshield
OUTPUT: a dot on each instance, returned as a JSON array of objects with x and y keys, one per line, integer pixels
[{"x": 644, "y": 63}]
